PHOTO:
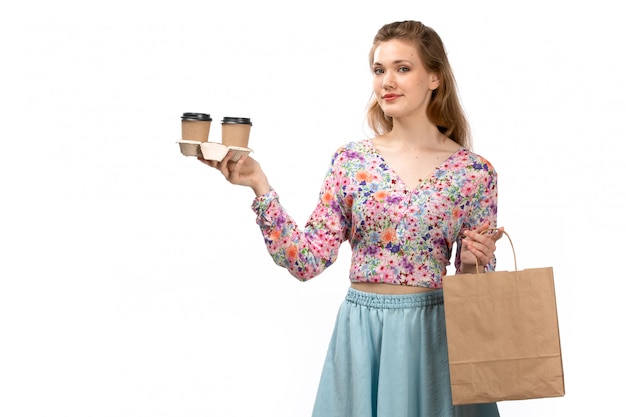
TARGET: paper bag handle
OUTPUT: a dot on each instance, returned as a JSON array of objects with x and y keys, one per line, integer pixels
[{"x": 510, "y": 241}]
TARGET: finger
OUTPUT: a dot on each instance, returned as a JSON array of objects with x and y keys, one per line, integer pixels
[
  {"x": 478, "y": 237},
  {"x": 235, "y": 168},
  {"x": 232, "y": 174},
  {"x": 487, "y": 239},
  {"x": 241, "y": 161},
  {"x": 483, "y": 256},
  {"x": 481, "y": 228},
  {"x": 204, "y": 161},
  {"x": 497, "y": 235},
  {"x": 494, "y": 235},
  {"x": 482, "y": 247},
  {"x": 223, "y": 165},
  {"x": 209, "y": 162}
]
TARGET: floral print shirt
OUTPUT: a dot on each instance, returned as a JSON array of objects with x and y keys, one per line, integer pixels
[{"x": 398, "y": 236}]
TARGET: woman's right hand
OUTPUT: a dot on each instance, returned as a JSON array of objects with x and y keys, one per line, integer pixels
[{"x": 246, "y": 171}]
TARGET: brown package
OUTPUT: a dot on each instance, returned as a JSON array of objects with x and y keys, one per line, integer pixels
[{"x": 503, "y": 336}]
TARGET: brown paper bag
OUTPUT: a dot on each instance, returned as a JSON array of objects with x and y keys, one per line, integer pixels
[{"x": 503, "y": 336}]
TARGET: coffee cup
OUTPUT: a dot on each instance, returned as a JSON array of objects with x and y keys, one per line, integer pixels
[
  {"x": 236, "y": 131},
  {"x": 196, "y": 126}
]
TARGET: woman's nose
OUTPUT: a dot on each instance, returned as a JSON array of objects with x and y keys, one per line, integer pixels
[{"x": 389, "y": 80}]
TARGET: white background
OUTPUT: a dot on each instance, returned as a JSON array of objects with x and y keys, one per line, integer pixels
[{"x": 134, "y": 281}]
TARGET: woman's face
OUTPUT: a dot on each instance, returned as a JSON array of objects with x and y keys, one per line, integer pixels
[{"x": 401, "y": 84}]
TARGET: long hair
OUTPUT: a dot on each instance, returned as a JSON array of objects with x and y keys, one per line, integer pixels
[{"x": 444, "y": 108}]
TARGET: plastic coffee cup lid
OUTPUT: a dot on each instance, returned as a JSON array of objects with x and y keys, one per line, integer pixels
[
  {"x": 237, "y": 120},
  {"x": 202, "y": 117}
]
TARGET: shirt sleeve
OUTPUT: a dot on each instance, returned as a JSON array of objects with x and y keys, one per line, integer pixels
[
  {"x": 483, "y": 205},
  {"x": 306, "y": 252}
]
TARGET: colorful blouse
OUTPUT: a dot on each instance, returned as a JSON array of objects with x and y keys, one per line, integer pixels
[{"x": 398, "y": 236}]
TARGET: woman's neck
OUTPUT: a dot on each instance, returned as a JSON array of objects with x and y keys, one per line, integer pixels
[{"x": 407, "y": 134}]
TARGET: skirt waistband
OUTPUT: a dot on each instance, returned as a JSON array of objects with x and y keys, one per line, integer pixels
[{"x": 369, "y": 299}]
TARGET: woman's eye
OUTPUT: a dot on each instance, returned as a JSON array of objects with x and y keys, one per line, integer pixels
[
  {"x": 403, "y": 69},
  {"x": 377, "y": 71}
]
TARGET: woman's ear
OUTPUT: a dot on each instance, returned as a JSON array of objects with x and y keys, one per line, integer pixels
[{"x": 434, "y": 81}]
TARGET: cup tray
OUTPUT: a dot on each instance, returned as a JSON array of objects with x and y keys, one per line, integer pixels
[{"x": 211, "y": 151}]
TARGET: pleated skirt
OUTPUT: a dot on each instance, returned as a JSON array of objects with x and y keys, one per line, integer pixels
[{"x": 388, "y": 358}]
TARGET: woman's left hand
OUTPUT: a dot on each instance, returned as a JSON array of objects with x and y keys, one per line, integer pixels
[{"x": 478, "y": 246}]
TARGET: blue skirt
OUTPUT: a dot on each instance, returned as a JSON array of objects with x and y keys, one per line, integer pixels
[{"x": 388, "y": 357}]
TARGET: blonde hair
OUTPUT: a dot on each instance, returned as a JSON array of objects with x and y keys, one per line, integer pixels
[{"x": 444, "y": 108}]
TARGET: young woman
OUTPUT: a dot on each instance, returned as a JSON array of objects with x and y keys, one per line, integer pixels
[{"x": 402, "y": 199}]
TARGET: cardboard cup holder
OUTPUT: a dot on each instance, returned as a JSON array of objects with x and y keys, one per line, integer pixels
[
  {"x": 211, "y": 151},
  {"x": 190, "y": 148}
]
